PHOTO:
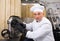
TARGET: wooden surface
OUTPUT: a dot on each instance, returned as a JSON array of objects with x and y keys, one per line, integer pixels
[
  {"x": 8, "y": 8},
  {"x": 25, "y": 10}
]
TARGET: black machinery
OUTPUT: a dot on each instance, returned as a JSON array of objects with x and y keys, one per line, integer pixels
[{"x": 13, "y": 34}]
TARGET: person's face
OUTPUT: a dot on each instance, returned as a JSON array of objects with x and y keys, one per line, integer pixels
[{"x": 38, "y": 15}]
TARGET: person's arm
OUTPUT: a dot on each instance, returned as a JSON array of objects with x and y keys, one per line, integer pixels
[
  {"x": 44, "y": 30},
  {"x": 29, "y": 26}
]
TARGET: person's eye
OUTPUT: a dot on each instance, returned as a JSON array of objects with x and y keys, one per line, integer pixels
[{"x": 39, "y": 13}]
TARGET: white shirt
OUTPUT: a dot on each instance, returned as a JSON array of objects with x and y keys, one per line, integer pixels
[{"x": 40, "y": 31}]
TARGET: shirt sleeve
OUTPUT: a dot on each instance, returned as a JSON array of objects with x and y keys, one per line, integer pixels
[
  {"x": 44, "y": 30},
  {"x": 29, "y": 26}
]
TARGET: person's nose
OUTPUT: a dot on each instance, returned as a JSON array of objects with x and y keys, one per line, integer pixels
[{"x": 37, "y": 16}]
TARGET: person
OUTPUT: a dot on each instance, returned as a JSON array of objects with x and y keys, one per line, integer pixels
[
  {"x": 41, "y": 28},
  {"x": 38, "y": 30}
]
